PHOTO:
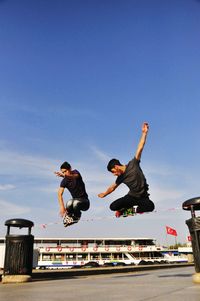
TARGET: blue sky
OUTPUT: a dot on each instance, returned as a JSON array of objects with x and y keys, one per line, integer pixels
[{"x": 77, "y": 80}]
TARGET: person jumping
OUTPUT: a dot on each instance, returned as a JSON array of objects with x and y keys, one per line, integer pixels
[
  {"x": 131, "y": 175},
  {"x": 73, "y": 181}
]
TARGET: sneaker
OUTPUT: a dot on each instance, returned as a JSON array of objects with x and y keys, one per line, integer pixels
[
  {"x": 118, "y": 213},
  {"x": 130, "y": 211},
  {"x": 126, "y": 212},
  {"x": 69, "y": 220}
]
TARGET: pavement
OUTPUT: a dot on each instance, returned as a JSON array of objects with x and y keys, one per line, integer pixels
[
  {"x": 51, "y": 274},
  {"x": 174, "y": 284}
]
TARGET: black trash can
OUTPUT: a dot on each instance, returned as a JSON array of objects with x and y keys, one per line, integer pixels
[
  {"x": 194, "y": 229},
  {"x": 19, "y": 250}
]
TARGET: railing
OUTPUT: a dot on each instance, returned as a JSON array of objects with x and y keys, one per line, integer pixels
[{"x": 102, "y": 249}]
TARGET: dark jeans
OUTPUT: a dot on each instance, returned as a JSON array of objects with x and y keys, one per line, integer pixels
[
  {"x": 75, "y": 206},
  {"x": 128, "y": 201}
]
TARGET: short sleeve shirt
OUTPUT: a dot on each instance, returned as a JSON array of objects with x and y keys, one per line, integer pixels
[
  {"x": 134, "y": 178},
  {"x": 75, "y": 185}
]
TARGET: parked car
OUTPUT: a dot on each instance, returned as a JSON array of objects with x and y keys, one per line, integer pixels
[
  {"x": 119, "y": 263},
  {"x": 108, "y": 264},
  {"x": 91, "y": 264}
]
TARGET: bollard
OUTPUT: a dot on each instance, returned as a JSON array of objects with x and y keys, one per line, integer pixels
[
  {"x": 194, "y": 228},
  {"x": 18, "y": 253}
]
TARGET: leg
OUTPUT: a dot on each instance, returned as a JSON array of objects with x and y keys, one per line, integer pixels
[
  {"x": 75, "y": 206},
  {"x": 123, "y": 203},
  {"x": 80, "y": 205},
  {"x": 69, "y": 206},
  {"x": 145, "y": 205},
  {"x": 69, "y": 217}
]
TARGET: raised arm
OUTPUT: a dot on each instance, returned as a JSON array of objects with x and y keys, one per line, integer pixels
[
  {"x": 110, "y": 189},
  {"x": 145, "y": 129}
]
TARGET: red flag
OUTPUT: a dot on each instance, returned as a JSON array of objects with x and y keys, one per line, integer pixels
[{"x": 171, "y": 231}]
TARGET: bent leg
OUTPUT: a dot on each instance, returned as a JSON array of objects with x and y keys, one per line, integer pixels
[
  {"x": 122, "y": 203},
  {"x": 145, "y": 205},
  {"x": 69, "y": 206},
  {"x": 80, "y": 205},
  {"x": 126, "y": 202}
]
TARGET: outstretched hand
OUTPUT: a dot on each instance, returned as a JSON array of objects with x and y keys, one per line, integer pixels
[
  {"x": 59, "y": 174},
  {"x": 101, "y": 195}
]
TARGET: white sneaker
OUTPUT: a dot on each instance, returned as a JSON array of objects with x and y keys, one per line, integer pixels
[{"x": 69, "y": 220}]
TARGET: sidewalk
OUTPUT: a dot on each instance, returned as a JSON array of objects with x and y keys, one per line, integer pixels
[
  {"x": 67, "y": 273},
  {"x": 173, "y": 284}
]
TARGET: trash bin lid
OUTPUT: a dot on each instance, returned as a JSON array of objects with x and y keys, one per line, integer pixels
[
  {"x": 19, "y": 222},
  {"x": 195, "y": 202}
]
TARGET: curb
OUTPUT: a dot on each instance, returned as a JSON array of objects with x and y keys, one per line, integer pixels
[
  {"x": 60, "y": 274},
  {"x": 41, "y": 275}
]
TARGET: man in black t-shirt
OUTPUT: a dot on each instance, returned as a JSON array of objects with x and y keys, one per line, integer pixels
[
  {"x": 73, "y": 181},
  {"x": 131, "y": 175}
]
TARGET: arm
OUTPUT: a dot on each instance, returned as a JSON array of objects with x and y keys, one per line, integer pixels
[
  {"x": 61, "y": 201},
  {"x": 74, "y": 174},
  {"x": 145, "y": 129},
  {"x": 110, "y": 189}
]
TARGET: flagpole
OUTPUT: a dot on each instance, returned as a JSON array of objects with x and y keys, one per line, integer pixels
[
  {"x": 172, "y": 232},
  {"x": 167, "y": 240},
  {"x": 175, "y": 241}
]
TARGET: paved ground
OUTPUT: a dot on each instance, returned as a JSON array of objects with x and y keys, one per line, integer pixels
[{"x": 159, "y": 285}]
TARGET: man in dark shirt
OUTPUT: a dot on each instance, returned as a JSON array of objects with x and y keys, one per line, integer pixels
[
  {"x": 131, "y": 175},
  {"x": 73, "y": 181}
]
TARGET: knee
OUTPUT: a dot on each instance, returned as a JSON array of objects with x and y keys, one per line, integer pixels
[
  {"x": 151, "y": 207},
  {"x": 85, "y": 206},
  {"x": 69, "y": 203},
  {"x": 112, "y": 207},
  {"x": 76, "y": 204}
]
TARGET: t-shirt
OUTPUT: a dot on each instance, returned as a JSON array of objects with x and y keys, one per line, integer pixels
[
  {"x": 75, "y": 185},
  {"x": 134, "y": 178}
]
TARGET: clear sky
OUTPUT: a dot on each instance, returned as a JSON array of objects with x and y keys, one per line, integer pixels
[{"x": 77, "y": 80}]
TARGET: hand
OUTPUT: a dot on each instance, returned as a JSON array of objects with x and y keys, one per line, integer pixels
[
  {"x": 59, "y": 174},
  {"x": 145, "y": 127},
  {"x": 101, "y": 195}
]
